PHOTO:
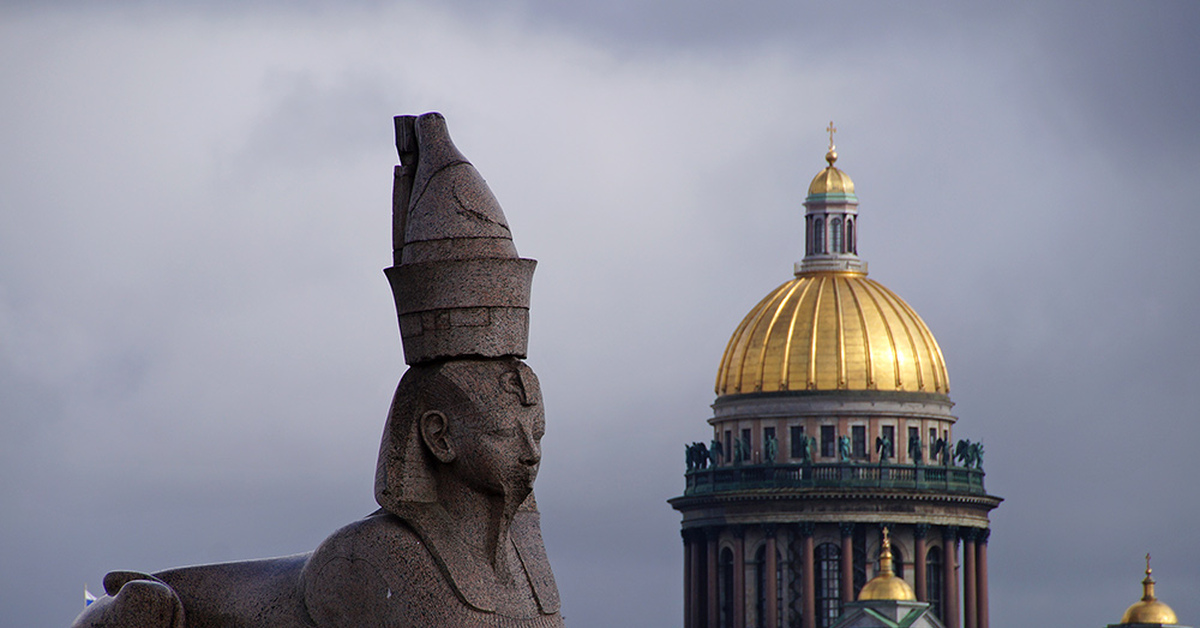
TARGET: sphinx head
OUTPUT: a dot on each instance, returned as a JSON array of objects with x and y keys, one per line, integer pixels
[{"x": 476, "y": 422}]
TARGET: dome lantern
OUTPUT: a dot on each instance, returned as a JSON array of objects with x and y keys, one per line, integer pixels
[{"x": 831, "y": 220}]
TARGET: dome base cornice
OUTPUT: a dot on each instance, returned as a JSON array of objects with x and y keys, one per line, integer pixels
[
  {"x": 891, "y": 396},
  {"x": 824, "y": 506}
]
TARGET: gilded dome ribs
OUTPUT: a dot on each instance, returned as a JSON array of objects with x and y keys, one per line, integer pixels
[
  {"x": 786, "y": 359},
  {"x": 811, "y": 382},
  {"x": 723, "y": 374},
  {"x": 728, "y": 358},
  {"x": 916, "y": 351},
  {"x": 940, "y": 363},
  {"x": 754, "y": 332},
  {"x": 883, "y": 319},
  {"x": 841, "y": 334},
  {"x": 762, "y": 354},
  {"x": 739, "y": 345},
  {"x": 869, "y": 358},
  {"x": 941, "y": 382}
]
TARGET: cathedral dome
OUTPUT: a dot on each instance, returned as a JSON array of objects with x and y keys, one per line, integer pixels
[
  {"x": 832, "y": 331},
  {"x": 831, "y": 328}
]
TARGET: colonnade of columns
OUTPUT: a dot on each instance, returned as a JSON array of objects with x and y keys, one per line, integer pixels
[{"x": 703, "y": 581}]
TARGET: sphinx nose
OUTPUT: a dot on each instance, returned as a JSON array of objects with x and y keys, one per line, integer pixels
[{"x": 531, "y": 450}]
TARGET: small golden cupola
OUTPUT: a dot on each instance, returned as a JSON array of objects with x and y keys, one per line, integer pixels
[
  {"x": 831, "y": 181},
  {"x": 885, "y": 585},
  {"x": 1149, "y": 610}
]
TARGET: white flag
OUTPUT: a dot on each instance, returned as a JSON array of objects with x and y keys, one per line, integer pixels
[{"x": 88, "y": 598}]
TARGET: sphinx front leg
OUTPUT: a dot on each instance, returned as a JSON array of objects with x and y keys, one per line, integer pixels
[{"x": 133, "y": 600}]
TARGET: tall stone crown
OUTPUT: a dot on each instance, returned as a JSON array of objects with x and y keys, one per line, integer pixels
[{"x": 461, "y": 290}]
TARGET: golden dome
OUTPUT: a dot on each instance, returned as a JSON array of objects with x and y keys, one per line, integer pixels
[
  {"x": 831, "y": 180},
  {"x": 886, "y": 586},
  {"x": 832, "y": 331},
  {"x": 1149, "y": 610}
]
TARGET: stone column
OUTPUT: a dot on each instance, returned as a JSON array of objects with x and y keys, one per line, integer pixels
[
  {"x": 919, "y": 550},
  {"x": 739, "y": 577},
  {"x": 981, "y": 578},
  {"x": 771, "y": 608},
  {"x": 714, "y": 596},
  {"x": 968, "y": 576},
  {"x": 689, "y": 580},
  {"x": 950, "y": 575},
  {"x": 847, "y": 530},
  {"x": 809, "y": 619}
]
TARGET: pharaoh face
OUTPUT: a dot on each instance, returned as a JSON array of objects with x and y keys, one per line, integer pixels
[{"x": 497, "y": 446}]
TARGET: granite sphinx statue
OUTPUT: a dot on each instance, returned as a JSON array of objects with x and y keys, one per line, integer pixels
[{"x": 457, "y": 539}]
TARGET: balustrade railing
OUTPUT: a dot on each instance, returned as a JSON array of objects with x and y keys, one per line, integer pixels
[{"x": 736, "y": 477}]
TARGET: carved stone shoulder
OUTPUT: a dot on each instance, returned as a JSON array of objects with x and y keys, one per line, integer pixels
[
  {"x": 379, "y": 572},
  {"x": 375, "y": 572}
]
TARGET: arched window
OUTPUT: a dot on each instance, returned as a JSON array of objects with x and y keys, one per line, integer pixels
[
  {"x": 933, "y": 580},
  {"x": 818, "y": 236},
  {"x": 828, "y": 584},
  {"x": 725, "y": 588},
  {"x": 760, "y": 588},
  {"x": 851, "y": 243},
  {"x": 835, "y": 235}
]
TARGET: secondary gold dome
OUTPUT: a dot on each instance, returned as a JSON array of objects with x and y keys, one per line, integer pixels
[
  {"x": 1153, "y": 612},
  {"x": 832, "y": 331},
  {"x": 1149, "y": 610},
  {"x": 885, "y": 585}
]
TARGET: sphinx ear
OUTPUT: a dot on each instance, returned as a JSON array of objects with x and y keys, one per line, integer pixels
[{"x": 435, "y": 429}]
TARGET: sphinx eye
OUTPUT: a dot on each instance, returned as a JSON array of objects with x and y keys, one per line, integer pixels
[{"x": 503, "y": 432}]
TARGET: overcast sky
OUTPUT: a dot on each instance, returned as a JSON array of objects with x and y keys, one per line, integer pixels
[{"x": 198, "y": 346}]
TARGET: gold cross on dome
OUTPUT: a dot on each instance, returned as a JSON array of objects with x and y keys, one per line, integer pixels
[
  {"x": 832, "y": 129},
  {"x": 1147, "y": 563}
]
